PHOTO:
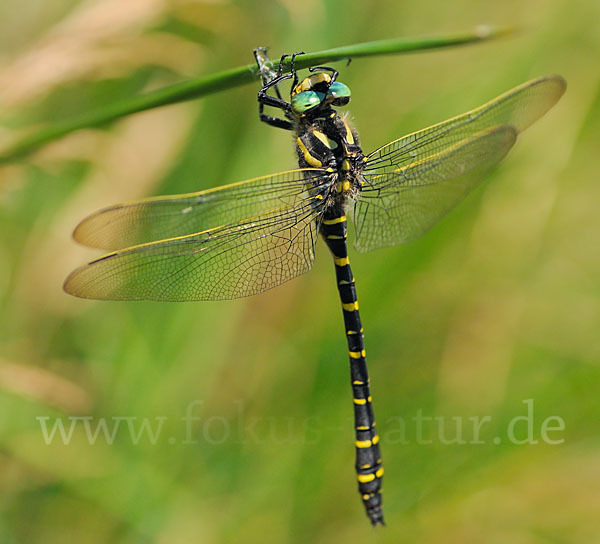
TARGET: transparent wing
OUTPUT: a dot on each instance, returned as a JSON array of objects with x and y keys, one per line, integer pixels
[
  {"x": 222, "y": 263},
  {"x": 413, "y": 198},
  {"x": 414, "y": 181},
  {"x": 159, "y": 218}
]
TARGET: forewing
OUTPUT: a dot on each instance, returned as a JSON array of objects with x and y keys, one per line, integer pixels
[
  {"x": 223, "y": 263},
  {"x": 160, "y": 218},
  {"x": 411, "y": 199},
  {"x": 519, "y": 108},
  {"x": 414, "y": 181}
]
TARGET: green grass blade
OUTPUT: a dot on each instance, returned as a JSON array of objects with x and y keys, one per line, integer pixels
[{"x": 196, "y": 88}]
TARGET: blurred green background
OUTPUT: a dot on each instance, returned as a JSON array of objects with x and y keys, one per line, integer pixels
[{"x": 496, "y": 305}]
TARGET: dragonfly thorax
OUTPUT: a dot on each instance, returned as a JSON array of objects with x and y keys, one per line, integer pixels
[{"x": 331, "y": 143}]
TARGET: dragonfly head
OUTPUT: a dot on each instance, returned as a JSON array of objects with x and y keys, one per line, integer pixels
[{"x": 317, "y": 92}]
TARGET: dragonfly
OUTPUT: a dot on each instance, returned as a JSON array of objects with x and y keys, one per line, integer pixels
[{"x": 247, "y": 237}]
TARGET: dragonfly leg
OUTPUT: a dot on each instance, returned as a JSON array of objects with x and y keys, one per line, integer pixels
[
  {"x": 270, "y": 81},
  {"x": 293, "y": 67},
  {"x": 265, "y": 99}
]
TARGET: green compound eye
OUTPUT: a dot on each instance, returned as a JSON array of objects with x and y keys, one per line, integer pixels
[
  {"x": 306, "y": 100},
  {"x": 340, "y": 93}
]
